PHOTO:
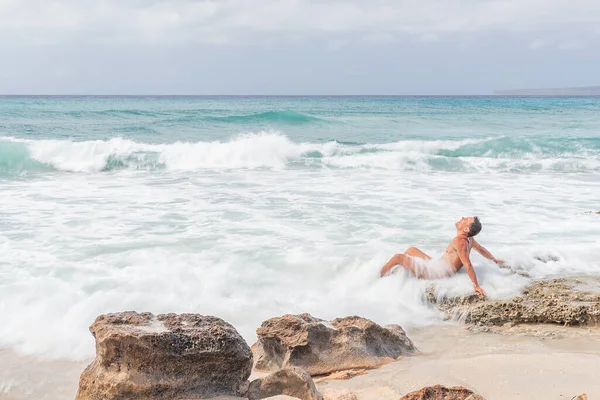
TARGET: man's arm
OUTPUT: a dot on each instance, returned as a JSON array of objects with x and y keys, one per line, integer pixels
[
  {"x": 463, "y": 253},
  {"x": 484, "y": 252}
]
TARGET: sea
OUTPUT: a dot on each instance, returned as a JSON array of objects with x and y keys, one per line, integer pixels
[{"x": 248, "y": 208}]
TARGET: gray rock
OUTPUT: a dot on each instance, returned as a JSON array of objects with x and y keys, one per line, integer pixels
[
  {"x": 321, "y": 347},
  {"x": 145, "y": 357}
]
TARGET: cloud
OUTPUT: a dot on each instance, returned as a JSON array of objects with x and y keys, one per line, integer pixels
[
  {"x": 558, "y": 44},
  {"x": 571, "y": 45},
  {"x": 378, "y": 37},
  {"x": 541, "y": 43},
  {"x": 242, "y": 21},
  {"x": 430, "y": 37}
]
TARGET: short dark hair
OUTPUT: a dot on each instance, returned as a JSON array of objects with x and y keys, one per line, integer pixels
[{"x": 475, "y": 228}]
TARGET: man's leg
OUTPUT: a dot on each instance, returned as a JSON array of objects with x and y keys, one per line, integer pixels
[
  {"x": 406, "y": 261},
  {"x": 414, "y": 252},
  {"x": 398, "y": 259}
]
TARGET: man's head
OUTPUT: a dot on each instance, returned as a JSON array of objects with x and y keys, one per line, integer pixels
[{"x": 469, "y": 225}]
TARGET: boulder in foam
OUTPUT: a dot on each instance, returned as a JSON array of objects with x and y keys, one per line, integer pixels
[{"x": 563, "y": 301}]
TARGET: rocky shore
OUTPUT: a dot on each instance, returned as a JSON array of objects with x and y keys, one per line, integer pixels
[
  {"x": 190, "y": 356},
  {"x": 566, "y": 302},
  {"x": 147, "y": 357}
]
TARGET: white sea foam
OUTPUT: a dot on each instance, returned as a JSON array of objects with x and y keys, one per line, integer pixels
[
  {"x": 247, "y": 245},
  {"x": 237, "y": 230}
]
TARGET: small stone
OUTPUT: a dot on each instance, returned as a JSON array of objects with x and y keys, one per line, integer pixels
[
  {"x": 341, "y": 375},
  {"x": 439, "y": 392},
  {"x": 293, "y": 382}
]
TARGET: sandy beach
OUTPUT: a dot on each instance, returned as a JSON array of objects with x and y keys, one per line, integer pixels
[
  {"x": 558, "y": 363},
  {"x": 495, "y": 366}
]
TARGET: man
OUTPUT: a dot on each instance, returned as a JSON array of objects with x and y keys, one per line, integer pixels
[{"x": 456, "y": 255}]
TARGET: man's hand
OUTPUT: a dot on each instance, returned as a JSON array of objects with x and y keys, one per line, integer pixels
[
  {"x": 484, "y": 252},
  {"x": 479, "y": 290}
]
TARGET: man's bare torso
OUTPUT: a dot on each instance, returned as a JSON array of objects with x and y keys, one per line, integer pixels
[{"x": 451, "y": 254}]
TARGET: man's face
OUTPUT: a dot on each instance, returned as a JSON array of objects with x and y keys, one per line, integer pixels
[{"x": 465, "y": 222}]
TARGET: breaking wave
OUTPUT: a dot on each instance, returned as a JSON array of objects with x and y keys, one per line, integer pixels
[
  {"x": 276, "y": 151},
  {"x": 285, "y": 117}
]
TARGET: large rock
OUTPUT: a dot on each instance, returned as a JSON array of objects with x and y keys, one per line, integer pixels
[
  {"x": 556, "y": 301},
  {"x": 147, "y": 357},
  {"x": 439, "y": 392},
  {"x": 293, "y": 382},
  {"x": 321, "y": 347}
]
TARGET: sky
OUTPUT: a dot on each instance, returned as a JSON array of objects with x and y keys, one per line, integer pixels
[{"x": 296, "y": 47}]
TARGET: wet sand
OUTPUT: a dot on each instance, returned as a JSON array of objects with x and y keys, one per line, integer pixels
[
  {"x": 25, "y": 377},
  {"x": 498, "y": 367},
  {"x": 542, "y": 363}
]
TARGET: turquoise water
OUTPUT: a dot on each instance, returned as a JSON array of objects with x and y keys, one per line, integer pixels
[
  {"x": 250, "y": 207},
  {"x": 514, "y": 127},
  {"x": 345, "y": 119}
]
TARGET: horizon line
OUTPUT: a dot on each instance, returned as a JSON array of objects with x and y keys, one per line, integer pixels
[{"x": 300, "y": 95}]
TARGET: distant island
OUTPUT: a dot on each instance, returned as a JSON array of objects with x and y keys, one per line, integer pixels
[{"x": 573, "y": 91}]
